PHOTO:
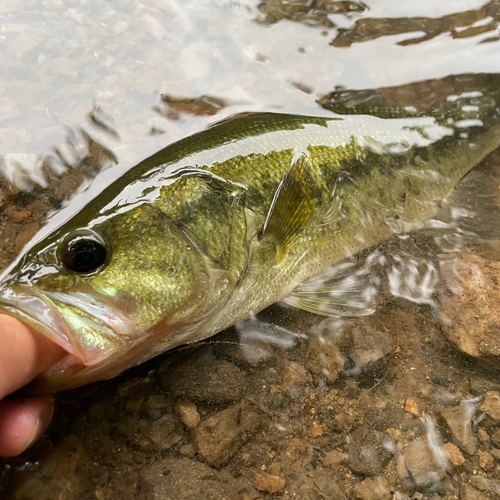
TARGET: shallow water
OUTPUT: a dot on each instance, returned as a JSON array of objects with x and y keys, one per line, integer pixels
[{"x": 315, "y": 408}]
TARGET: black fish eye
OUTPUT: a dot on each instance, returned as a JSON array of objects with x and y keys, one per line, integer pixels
[{"x": 84, "y": 252}]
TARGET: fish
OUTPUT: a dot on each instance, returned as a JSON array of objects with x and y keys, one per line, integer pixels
[{"x": 257, "y": 209}]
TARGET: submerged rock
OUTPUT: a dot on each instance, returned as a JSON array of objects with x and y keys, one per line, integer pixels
[
  {"x": 425, "y": 463},
  {"x": 459, "y": 420},
  {"x": 476, "y": 330},
  {"x": 469, "y": 493},
  {"x": 369, "y": 451},
  {"x": 376, "y": 488},
  {"x": 219, "y": 437}
]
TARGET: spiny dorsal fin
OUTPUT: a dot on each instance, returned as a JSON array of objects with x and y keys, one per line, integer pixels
[
  {"x": 337, "y": 291},
  {"x": 291, "y": 209}
]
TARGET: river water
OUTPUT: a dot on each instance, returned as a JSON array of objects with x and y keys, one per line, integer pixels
[{"x": 402, "y": 404}]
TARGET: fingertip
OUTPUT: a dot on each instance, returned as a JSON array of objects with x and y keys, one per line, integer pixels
[{"x": 23, "y": 422}]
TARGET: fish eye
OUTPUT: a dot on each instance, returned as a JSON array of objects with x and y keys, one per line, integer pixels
[{"x": 84, "y": 251}]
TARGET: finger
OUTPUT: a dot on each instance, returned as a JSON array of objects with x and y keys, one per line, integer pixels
[
  {"x": 23, "y": 422},
  {"x": 24, "y": 354}
]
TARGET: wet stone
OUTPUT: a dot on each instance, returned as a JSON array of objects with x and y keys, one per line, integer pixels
[
  {"x": 184, "y": 479},
  {"x": 368, "y": 451},
  {"x": 491, "y": 405},
  {"x": 486, "y": 460},
  {"x": 479, "y": 482},
  {"x": 187, "y": 413},
  {"x": 325, "y": 358},
  {"x": 459, "y": 421},
  {"x": 204, "y": 378},
  {"x": 269, "y": 483},
  {"x": 370, "y": 347},
  {"x": 467, "y": 492},
  {"x": 476, "y": 330},
  {"x": 326, "y": 486},
  {"x": 219, "y": 437},
  {"x": 425, "y": 465},
  {"x": 376, "y": 488},
  {"x": 453, "y": 454}
]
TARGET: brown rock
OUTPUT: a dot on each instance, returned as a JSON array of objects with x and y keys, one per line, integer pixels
[
  {"x": 293, "y": 373},
  {"x": 370, "y": 346},
  {"x": 269, "y": 483},
  {"x": 491, "y": 404},
  {"x": 412, "y": 407},
  {"x": 219, "y": 437},
  {"x": 453, "y": 454},
  {"x": 486, "y": 460},
  {"x": 376, "y": 488},
  {"x": 187, "y": 413},
  {"x": 333, "y": 458},
  {"x": 316, "y": 430},
  {"x": 325, "y": 358},
  {"x": 459, "y": 420},
  {"x": 425, "y": 464},
  {"x": 469, "y": 493},
  {"x": 476, "y": 330},
  {"x": 368, "y": 451}
]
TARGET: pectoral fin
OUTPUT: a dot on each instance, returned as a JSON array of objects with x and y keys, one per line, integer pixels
[
  {"x": 337, "y": 291},
  {"x": 291, "y": 209}
]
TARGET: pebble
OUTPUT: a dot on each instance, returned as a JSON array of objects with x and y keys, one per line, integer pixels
[
  {"x": 203, "y": 378},
  {"x": 376, "y": 488},
  {"x": 293, "y": 373},
  {"x": 187, "y": 413},
  {"x": 219, "y": 437},
  {"x": 425, "y": 467},
  {"x": 325, "y": 358},
  {"x": 333, "y": 458},
  {"x": 479, "y": 482},
  {"x": 368, "y": 451},
  {"x": 483, "y": 435},
  {"x": 412, "y": 407},
  {"x": 491, "y": 405},
  {"x": 316, "y": 430},
  {"x": 453, "y": 454},
  {"x": 459, "y": 420},
  {"x": 486, "y": 460},
  {"x": 370, "y": 346},
  {"x": 496, "y": 453},
  {"x": 269, "y": 483},
  {"x": 469, "y": 493}
]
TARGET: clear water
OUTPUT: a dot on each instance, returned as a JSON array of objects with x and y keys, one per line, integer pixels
[{"x": 88, "y": 89}]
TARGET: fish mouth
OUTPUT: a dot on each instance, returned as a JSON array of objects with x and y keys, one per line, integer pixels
[{"x": 89, "y": 329}]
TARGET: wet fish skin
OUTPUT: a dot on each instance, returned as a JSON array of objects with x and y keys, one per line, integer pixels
[{"x": 231, "y": 220}]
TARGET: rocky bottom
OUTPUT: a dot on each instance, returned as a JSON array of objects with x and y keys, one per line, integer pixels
[{"x": 404, "y": 404}]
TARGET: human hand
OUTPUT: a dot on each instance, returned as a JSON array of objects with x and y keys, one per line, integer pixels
[{"x": 24, "y": 354}]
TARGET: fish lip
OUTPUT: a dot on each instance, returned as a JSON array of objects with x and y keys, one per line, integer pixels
[
  {"x": 11, "y": 302},
  {"x": 38, "y": 310}
]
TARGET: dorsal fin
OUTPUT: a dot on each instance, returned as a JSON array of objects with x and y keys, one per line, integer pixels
[{"x": 291, "y": 208}]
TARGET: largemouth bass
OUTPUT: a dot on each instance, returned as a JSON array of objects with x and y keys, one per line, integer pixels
[{"x": 224, "y": 223}]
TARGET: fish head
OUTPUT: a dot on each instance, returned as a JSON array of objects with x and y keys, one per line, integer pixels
[{"x": 109, "y": 291}]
